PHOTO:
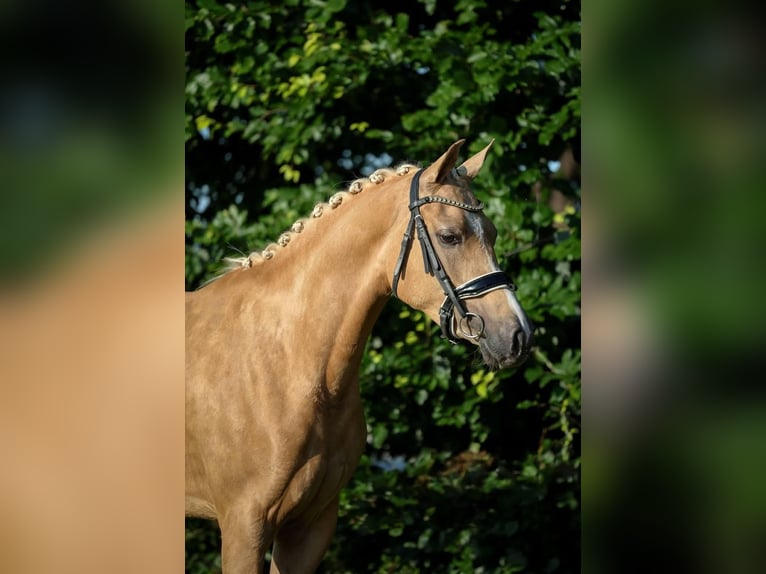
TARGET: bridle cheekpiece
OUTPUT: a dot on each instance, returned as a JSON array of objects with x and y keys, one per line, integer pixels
[{"x": 454, "y": 296}]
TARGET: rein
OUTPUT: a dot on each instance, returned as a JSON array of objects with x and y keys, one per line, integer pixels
[{"x": 454, "y": 296}]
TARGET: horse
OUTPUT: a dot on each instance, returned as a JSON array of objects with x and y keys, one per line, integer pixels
[{"x": 274, "y": 419}]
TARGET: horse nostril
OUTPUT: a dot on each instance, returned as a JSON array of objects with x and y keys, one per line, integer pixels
[{"x": 519, "y": 343}]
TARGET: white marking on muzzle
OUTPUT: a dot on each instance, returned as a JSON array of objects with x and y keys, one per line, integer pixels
[
  {"x": 519, "y": 312},
  {"x": 475, "y": 222}
]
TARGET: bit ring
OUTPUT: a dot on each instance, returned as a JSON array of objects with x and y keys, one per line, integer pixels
[{"x": 465, "y": 322}]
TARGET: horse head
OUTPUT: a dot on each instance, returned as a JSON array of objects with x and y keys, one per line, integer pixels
[{"x": 454, "y": 277}]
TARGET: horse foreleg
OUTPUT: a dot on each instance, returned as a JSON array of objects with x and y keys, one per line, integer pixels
[
  {"x": 244, "y": 541},
  {"x": 299, "y": 547}
]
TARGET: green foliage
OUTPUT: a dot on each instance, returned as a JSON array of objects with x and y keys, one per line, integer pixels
[{"x": 466, "y": 470}]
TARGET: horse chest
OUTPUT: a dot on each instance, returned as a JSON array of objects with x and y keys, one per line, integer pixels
[
  {"x": 312, "y": 486},
  {"x": 324, "y": 469}
]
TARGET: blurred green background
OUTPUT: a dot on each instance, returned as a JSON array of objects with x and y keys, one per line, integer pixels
[
  {"x": 465, "y": 470},
  {"x": 674, "y": 417},
  {"x": 90, "y": 115}
]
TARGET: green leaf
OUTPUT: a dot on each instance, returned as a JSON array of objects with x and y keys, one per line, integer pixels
[{"x": 379, "y": 435}]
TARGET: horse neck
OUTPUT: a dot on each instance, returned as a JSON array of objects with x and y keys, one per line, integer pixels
[
  {"x": 320, "y": 296},
  {"x": 344, "y": 286}
]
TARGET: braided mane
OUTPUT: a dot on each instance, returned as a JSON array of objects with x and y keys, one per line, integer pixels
[{"x": 355, "y": 187}]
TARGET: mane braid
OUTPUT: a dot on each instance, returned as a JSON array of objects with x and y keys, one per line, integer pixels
[{"x": 336, "y": 200}]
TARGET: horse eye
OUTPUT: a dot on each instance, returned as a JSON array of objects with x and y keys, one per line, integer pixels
[{"x": 449, "y": 238}]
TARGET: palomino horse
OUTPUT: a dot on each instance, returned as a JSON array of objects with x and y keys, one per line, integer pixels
[{"x": 274, "y": 421}]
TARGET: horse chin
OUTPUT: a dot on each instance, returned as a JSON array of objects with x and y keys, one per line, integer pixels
[{"x": 497, "y": 360}]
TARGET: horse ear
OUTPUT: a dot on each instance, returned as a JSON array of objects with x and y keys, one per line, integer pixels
[
  {"x": 472, "y": 165},
  {"x": 440, "y": 169}
]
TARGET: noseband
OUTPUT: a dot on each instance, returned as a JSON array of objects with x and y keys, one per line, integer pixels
[{"x": 454, "y": 296}]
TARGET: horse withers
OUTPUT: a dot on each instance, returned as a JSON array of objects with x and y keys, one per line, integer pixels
[{"x": 274, "y": 421}]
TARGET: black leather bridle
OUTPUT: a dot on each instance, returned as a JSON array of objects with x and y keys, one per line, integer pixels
[{"x": 454, "y": 296}]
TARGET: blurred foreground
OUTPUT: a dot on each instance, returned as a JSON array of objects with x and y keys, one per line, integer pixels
[{"x": 91, "y": 288}]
